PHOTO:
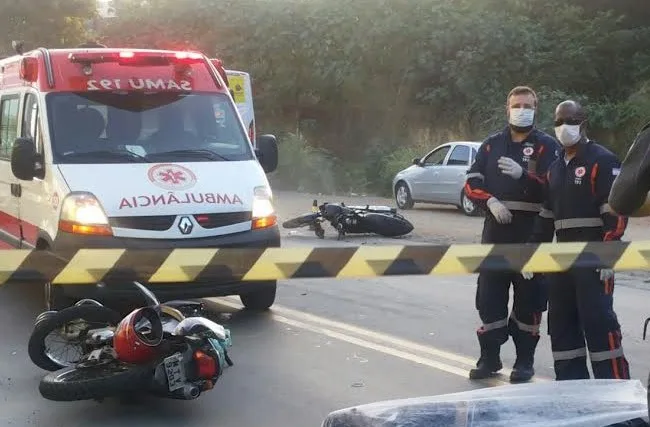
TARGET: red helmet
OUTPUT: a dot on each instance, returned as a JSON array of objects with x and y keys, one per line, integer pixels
[{"x": 137, "y": 336}]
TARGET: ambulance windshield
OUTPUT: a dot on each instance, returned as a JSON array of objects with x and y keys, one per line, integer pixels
[{"x": 124, "y": 127}]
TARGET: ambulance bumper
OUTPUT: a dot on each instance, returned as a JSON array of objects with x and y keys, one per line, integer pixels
[{"x": 67, "y": 244}]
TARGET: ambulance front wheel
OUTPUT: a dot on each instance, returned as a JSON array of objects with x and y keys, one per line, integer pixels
[
  {"x": 260, "y": 299},
  {"x": 55, "y": 298}
]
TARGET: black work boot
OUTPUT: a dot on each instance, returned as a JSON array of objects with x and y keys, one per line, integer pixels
[
  {"x": 488, "y": 364},
  {"x": 523, "y": 370}
]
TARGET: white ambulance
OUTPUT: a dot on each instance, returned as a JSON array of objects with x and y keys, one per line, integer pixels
[{"x": 115, "y": 148}]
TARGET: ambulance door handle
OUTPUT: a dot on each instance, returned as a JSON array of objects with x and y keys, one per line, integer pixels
[{"x": 16, "y": 190}]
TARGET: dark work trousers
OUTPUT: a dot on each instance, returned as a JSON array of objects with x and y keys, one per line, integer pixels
[
  {"x": 493, "y": 291},
  {"x": 581, "y": 307}
]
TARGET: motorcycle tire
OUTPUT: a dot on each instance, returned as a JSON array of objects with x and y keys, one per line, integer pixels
[
  {"x": 301, "y": 221},
  {"x": 36, "y": 347},
  {"x": 387, "y": 225},
  {"x": 110, "y": 379}
]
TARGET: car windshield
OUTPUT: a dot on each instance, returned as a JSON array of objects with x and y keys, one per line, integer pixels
[{"x": 128, "y": 127}]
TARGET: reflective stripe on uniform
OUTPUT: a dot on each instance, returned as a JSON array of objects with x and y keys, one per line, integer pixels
[
  {"x": 494, "y": 325},
  {"x": 570, "y": 354},
  {"x": 605, "y": 208},
  {"x": 476, "y": 175},
  {"x": 546, "y": 213},
  {"x": 522, "y": 206},
  {"x": 562, "y": 224},
  {"x": 601, "y": 356},
  {"x": 533, "y": 329}
]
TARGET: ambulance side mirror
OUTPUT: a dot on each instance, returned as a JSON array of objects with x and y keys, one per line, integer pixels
[
  {"x": 267, "y": 152},
  {"x": 23, "y": 159}
]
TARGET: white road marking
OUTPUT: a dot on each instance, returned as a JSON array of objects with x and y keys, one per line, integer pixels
[{"x": 393, "y": 346}]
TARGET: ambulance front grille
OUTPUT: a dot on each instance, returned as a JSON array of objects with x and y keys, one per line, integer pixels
[
  {"x": 224, "y": 219},
  {"x": 165, "y": 222},
  {"x": 153, "y": 223}
]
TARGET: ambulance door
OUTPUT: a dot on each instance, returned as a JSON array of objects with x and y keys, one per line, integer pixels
[
  {"x": 37, "y": 205},
  {"x": 240, "y": 88},
  {"x": 10, "y": 236}
]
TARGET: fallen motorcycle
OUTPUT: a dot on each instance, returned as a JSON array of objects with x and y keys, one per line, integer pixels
[
  {"x": 169, "y": 350},
  {"x": 381, "y": 220}
]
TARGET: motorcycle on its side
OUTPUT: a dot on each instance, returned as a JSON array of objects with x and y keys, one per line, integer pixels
[
  {"x": 381, "y": 220},
  {"x": 169, "y": 350}
]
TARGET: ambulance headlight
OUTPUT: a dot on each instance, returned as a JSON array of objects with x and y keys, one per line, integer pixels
[
  {"x": 81, "y": 213},
  {"x": 263, "y": 210}
]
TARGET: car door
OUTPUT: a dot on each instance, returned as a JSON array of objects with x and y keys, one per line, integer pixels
[
  {"x": 425, "y": 182},
  {"x": 452, "y": 173},
  {"x": 36, "y": 204},
  {"x": 10, "y": 235}
]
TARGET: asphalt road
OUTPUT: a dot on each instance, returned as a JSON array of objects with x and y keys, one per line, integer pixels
[{"x": 326, "y": 344}]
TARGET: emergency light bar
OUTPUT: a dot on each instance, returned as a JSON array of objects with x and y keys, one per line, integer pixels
[{"x": 136, "y": 58}]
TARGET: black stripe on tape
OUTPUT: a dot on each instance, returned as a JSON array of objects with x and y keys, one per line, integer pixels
[
  {"x": 416, "y": 259},
  {"x": 136, "y": 265},
  {"x": 600, "y": 254},
  {"x": 324, "y": 262},
  {"x": 507, "y": 257},
  {"x": 39, "y": 266},
  {"x": 230, "y": 265}
]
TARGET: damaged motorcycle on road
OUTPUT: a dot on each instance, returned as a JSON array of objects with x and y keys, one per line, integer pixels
[
  {"x": 169, "y": 350},
  {"x": 381, "y": 220}
]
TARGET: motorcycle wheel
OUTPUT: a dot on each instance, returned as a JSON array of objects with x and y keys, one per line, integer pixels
[
  {"x": 301, "y": 221},
  {"x": 387, "y": 225},
  {"x": 95, "y": 382},
  {"x": 38, "y": 349}
]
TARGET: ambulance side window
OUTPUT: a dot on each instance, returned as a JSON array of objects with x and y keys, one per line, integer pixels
[
  {"x": 8, "y": 124},
  {"x": 31, "y": 129}
]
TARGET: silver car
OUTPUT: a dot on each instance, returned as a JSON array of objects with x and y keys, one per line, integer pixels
[{"x": 438, "y": 177}]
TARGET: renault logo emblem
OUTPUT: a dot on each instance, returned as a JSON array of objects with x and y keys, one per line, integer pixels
[{"x": 185, "y": 225}]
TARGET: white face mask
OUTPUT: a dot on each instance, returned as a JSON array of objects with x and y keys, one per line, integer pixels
[
  {"x": 568, "y": 135},
  {"x": 522, "y": 117}
]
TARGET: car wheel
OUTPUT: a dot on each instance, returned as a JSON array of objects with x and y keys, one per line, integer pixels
[
  {"x": 403, "y": 196},
  {"x": 468, "y": 207},
  {"x": 55, "y": 298},
  {"x": 260, "y": 299}
]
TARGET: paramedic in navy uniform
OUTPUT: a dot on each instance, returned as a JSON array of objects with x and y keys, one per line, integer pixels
[
  {"x": 576, "y": 209},
  {"x": 507, "y": 181}
]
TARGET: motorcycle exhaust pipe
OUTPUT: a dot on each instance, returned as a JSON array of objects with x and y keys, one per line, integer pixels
[{"x": 190, "y": 392}]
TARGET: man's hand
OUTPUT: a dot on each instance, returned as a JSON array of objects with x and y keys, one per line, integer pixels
[
  {"x": 527, "y": 276},
  {"x": 606, "y": 274},
  {"x": 510, "y": 167},
  {"x": 500, "y": 212}
]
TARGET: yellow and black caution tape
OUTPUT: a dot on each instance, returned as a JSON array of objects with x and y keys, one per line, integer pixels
[{"x": 88, "y": 266}]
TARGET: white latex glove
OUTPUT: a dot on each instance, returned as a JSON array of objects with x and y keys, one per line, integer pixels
[
  {"x": 527, "y": 276},
  {"x": 510, "y": 167},
  {"x": 500, "y": 212},
  {"x": 606, "y": 274}
]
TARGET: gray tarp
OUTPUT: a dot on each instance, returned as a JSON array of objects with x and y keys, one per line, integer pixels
[{"x": 588, "y": 403}]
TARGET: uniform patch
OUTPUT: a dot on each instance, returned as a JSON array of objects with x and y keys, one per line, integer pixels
[
  {"x": 616, "y": 171},
  {"x": 528, "y": 151},
  {"x": 580, "y": 172}
]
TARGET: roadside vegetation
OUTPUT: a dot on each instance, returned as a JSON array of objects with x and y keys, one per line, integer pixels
[{"x": 355, "y": 90}]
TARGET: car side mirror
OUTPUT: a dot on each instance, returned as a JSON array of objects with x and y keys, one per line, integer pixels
[
  {"x": 267, "y": 152},
  {"x": 416, "y": 161},
  {"x": 23, "y": 159}
]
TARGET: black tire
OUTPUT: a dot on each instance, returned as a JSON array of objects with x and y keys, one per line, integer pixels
[
  {"x": 96, "y": 382},
  {"x": 408, "y": 203},
  {"x": 261, "y": 299},
  {"x": 474, "y": 211},
  {"x": 54, "y": 320},
  {"x": 301, "y": 221},
  {"x": 388, "y": 225}
]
